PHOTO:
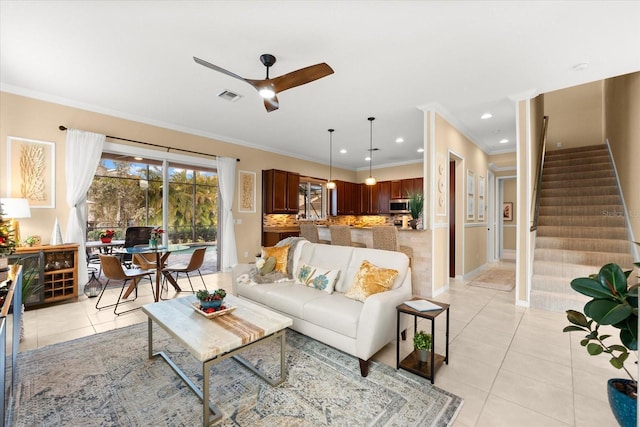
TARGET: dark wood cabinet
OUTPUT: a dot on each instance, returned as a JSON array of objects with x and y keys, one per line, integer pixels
[
  {"x": 396, "y": 190},
  {"x": 280, "y": 191},
  {"x": 384, "y": 195},
  {"x": 411, "y": 185},
  {"x": 369, "y": 199},
  {"x": 270, "y": 238}
]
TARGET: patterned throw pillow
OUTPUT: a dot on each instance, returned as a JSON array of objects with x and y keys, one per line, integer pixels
[
  {"x": 280, "y": 254},
  {"x": 316, "y": 277},
  {"x": 370, "y": 280},
  {"x": 265, "y": 266}
]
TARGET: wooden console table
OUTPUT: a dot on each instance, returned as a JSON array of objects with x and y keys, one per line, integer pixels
[{"x": 59, "y": 271}]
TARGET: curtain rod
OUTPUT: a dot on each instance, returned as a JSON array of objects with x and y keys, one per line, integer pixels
[{"x": 63, "y": 128}]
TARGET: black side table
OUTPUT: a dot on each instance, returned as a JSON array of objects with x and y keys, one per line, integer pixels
[{"x": 412, "y": 362}]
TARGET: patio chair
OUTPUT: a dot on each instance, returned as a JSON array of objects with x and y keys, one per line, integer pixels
[
  {"x": 113, "y": 270},
  {"x": 134, "y": 236},
  {"x": 195, "y": 262}
]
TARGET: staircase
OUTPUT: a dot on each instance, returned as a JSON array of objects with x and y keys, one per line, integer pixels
[{"x": 581, "y": 225}]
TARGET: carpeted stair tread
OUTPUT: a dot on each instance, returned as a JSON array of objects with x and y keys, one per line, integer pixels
[
  {"x": 580, "y": 200},
  {"x": 601, "y": 190},
  {"x": 567, "y": 176},
  {"x": 584, "y": 210},
  {"x": 593, "y": 232},
  {"x": 593, "y": 221},
  {"x": 547, "y": 283},
  {"x": 583, "y": 257},
  {"x": 599, "y": 245},
  {"x": 573, "y": 162},
  {"x": 588, "y": 182},
  {"x": 558, "y": 269},
  {"x": 558, "y": 169},
  {"x": 574, "y": 151}
]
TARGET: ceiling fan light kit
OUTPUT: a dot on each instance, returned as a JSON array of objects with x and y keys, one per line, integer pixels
[
  {"x": 269, "y": 88},
  {"x": 331, "y": 184},
  {"x": 371, "y": 180}
]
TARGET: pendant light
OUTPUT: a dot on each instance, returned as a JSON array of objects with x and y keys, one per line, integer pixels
[
  {"x": 371, "y": 180},
  {"x": 330, "y": 184}
]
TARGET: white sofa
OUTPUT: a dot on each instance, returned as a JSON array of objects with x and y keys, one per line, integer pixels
[{"x": 357, "y": 328}]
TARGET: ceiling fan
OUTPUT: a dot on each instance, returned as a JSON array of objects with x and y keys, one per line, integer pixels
[{"x": 268, "y": 88}]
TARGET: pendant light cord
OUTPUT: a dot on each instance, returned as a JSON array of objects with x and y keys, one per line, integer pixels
[{"x": 371, "y": 119}]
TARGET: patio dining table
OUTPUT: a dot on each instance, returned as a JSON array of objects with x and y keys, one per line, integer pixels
[{"x": 161, "y": 252}]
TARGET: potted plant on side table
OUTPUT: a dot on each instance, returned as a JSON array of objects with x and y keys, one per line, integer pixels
[
  {"x": 422, "y": 343},
  {"x": 613, "y": 303}
]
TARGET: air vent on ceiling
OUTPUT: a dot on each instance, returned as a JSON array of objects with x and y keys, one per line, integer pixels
[{"x": 229, "y": 96}]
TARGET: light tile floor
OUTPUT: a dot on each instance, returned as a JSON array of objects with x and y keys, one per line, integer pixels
[{"x": 512, "y": 365}]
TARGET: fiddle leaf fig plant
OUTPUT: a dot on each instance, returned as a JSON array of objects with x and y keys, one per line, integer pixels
[{"x": 613, "y": 303}]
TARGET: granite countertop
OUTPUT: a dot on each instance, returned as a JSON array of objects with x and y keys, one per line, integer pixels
[{"x": 280, "y": 229}]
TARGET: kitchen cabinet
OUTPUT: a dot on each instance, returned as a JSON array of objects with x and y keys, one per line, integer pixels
[
  {"x": 345, "y": 199},
  {"x": 383, "y": 195},
  {"x": 270, "y": 238},
  {"x": 369, "y": 199},
  {"x": 396, "y": 190},
  {"x": 280, "y": 191},
  {"x": 411, "y": 185}
]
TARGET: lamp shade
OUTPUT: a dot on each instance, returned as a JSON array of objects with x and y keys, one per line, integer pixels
[{"x": 16, "y": 208}]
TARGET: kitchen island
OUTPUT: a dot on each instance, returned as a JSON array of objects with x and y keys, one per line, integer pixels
[{"x": 418, "y": 240}]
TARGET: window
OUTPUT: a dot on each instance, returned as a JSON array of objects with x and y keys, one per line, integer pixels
[
  {"x": 311, "y": 199},
  {"x": 127, "y": 192}
]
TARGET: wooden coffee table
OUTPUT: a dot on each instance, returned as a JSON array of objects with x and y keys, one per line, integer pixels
[{"x": 212, "y": 340}]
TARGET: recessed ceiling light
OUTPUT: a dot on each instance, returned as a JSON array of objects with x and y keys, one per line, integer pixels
[
  {"x": 367, "y": 159},
  {"x": 420, "y": 150},
  {"x": 138, "y": 158},
  {"x": 504, "y": 141},
  {"x": 486, "y": 116},
  {"x": 343, "y": 151},
  {"x": 399, "y": 140}
]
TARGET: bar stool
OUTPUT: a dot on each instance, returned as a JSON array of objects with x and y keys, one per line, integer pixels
[
  {"x": 341, "y": 235},
  {"x": 386, "y": 237},
  {"x": 309, "y": 231}
]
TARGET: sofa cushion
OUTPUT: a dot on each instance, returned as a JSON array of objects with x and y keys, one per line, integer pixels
[
  {"x": 290, "y": 298},
  {"x": 320, "y": 278},
  {"x": 334, "y": 312},
  {"x": 280, "y": 254},
  {"x": 371, "y": 280}
]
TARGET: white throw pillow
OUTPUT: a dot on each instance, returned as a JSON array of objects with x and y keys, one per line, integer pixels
[{"x": 320, "y": 278}]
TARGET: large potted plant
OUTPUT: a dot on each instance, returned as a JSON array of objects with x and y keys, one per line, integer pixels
[
  {"x": 613, "y": 303},
  {"x": 416, "y": 204}
]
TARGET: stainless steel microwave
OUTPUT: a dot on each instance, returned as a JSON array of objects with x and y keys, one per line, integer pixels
[{"x": 399, "y": 206}]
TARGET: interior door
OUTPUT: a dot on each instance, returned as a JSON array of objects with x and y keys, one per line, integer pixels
[{"x": 452, "y": 218}]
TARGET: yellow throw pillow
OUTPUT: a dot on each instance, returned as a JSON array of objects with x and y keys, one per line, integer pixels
[
  {"x": 371, "y": 280},
  {"x": 280, "y": 254}
]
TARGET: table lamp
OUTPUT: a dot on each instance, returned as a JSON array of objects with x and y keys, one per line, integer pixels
[{"x": 16, "y": 209}]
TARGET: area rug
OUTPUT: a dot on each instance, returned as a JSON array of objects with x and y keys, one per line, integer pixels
[
  {"x": 107, "y": 380},
  {"x": 495, "y": 278}
]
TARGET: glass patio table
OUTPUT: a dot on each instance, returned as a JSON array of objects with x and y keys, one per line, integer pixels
[{"x": 161, "y": 252}]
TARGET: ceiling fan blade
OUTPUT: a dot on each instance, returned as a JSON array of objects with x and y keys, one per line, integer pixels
[
  {"x": 271, "y": 104},
  {"x": 216, "y": 68},
  {"x": 301, "y": 76}
]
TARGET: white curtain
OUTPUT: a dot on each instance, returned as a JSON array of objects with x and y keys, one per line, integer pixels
[
  {"x": 83, "y": 152},
  {"x": 227, "y": 183}
]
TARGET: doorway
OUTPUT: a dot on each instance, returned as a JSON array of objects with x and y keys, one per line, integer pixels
[{"x": 452, "y": 218}]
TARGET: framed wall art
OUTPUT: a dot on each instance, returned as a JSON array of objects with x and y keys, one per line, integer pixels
[
  {"x": 471, "y": 183},
  {"x": 31, "y": 172},
  {"x": 507, "y": 211},
  {"x": 471, "y": 208},
  {"x": 246, "y": 191}
]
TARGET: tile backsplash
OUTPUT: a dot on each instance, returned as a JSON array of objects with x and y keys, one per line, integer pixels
[{"x": 284, "y": 220}]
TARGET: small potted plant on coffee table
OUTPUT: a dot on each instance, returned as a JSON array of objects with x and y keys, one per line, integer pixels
[
  {"x": 422, "y": 343},
  {"x": 212, "y": 300}
]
